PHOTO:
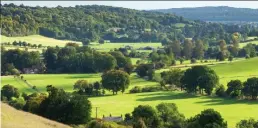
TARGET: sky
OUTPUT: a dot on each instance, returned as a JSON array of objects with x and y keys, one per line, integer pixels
[{"x": 141, "y": 5}]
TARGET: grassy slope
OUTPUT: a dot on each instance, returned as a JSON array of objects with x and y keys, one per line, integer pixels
[
  {"x": 12, "y": 118},
  {"x": 45, "y": 41},
  {"x": 37, "y": 39},
  {"x": 237, "y": 70}
]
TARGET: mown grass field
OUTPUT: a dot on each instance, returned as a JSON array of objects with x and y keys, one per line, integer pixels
[
  {"x": 45, "y": 41},
  {"x": 37, "y": 39},
  {"x": 189, "y": 105},
  {"x": 109, "y": 46}
]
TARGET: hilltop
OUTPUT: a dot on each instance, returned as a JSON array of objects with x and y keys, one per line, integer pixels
[
  {"x": 93, "y": 23},
  {"x": 220, "y": 13},
  {"x": 12, "y": 118}
]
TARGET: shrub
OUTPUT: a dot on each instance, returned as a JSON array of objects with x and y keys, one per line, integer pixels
[
  {"x": 206, "y": 61},
  {"x": 173, "y": 62},
  {"x": 250, "y": 123},
  {"x": 220, "y": 91},
  {"x": 136, "y": 89},
  {"x": 151, "y": 89},
  {"x": 15, "y": 72},
  {"x": 17, "y": 103},
  {"x": 101, "y": 41},
  {"x": 193, "y": 60}
]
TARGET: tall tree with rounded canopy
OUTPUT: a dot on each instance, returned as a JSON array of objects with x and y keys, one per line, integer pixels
[
  {"x": 115, "y": 80},
  {"x": 191, "y": 76}
]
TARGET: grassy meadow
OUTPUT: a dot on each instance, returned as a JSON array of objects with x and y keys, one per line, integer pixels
[
  {"x": 37, "y": 39},
  {"x": 189, "y": 105}
]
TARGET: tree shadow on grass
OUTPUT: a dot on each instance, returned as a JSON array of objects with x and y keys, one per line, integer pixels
[
  {"x": 209, "y": 101},
  {"x": 165, "y": 96}
]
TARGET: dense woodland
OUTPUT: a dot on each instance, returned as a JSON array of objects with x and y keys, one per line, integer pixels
[
  {"x": 94, "y": 22},
  {"x": 222, "y": 13}
]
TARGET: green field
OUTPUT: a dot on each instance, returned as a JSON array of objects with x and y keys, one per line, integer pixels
[
  {"x": 189, "y": 105},
  {"x": 37, "y": 39},
  {"x": 241, "y": 45},
  {"x": 45, "y": 41},
  {"x": 109, "y": 46}
]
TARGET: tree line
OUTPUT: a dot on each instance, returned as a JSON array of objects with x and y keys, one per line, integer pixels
[{"x": 95, "y": 23}]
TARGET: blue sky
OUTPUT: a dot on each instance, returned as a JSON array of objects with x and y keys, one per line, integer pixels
[{"x": 141, "y": 5}]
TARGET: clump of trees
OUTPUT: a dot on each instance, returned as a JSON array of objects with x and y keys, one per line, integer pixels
[
  {"x": 73, "y": 59},
  {"x": 237, "y": 89},
  {"x": 83, "y": 87},
  {"x": 58, "y": 105},
  {"x": 16, "y": 59},
  {"x": 199, "y": 78},
  {"x": 167, "y": 115}
]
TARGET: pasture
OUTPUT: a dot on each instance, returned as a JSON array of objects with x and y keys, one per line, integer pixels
[
  {"x": 241, "y": 45},
  {"x": 37, "y": 39},
  {"x": 188, "y": 104}
]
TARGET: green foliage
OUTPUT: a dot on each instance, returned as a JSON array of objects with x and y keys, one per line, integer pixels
[
  {"x": 250, "y": 123},
  {"x": 169, "y": 114},
  {"x": 208, "y": 118},
  {"x": 136, "y": 89},
  {"x": 15, "y": 72},
  {"x": 64, "y": 107},
  {"x": 147, "y": 114},
  {"x": 193, "y": 61},
  {"x": 221, "y": 91},
  {"x": 20, "y": 59},
  {"x": 234, "y": 88},
  {"x": 17, "y": 103},
  {"x": 9, "y": 91},
  {"x": 199, "y": 76},
  {"x": 101, "y": 41},
  {"x": 251, "y": 88},
  {"x": 33, "y": 102},
  {"x": 142, "y": 69},
  {"x": 172, "y": 77},
  {"x": 104, "y": 124},
  {"x": 115, "y": 80},
  {"x": 187, "y": 49},
  {"x": 207, "y": 82}
]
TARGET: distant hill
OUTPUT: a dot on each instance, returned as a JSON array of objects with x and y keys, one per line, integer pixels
[
  {"x": 12, "y": 118},
  {"x": 220, "y": 13}
]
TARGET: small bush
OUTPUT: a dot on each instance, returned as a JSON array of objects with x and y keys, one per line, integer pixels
[
  {"x": 193, "y": 60},
  {"x": 173, "y": 62},
  {"x": 206, "y": 61},
  {"x": 151, "y": 89},
  {"x": 221, "y": 91},
  {"x": 15, "y": 72},
  {"x": 34, "y": 87},
  {"x": 17, "y": 103},
  {"x": 136, "y": 89}
]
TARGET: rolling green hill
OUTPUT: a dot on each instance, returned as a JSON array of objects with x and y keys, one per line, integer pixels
[{"x": 220, "y": 13}]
